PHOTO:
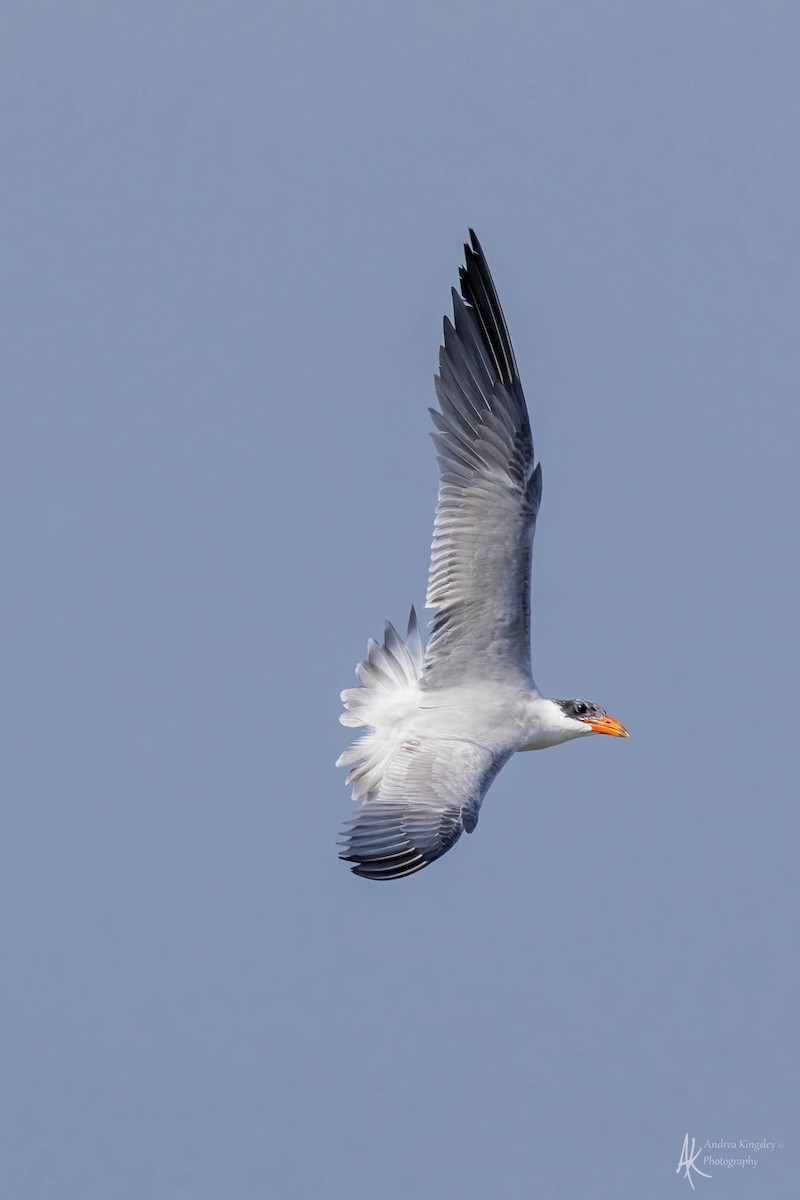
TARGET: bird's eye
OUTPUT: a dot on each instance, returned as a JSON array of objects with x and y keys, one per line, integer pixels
[{"x": 580, "y": 708}]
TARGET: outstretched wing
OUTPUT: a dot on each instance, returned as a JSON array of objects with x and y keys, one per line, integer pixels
[
  {"x": 430, "y": 792},
  {"x": 489, "y": 494}
]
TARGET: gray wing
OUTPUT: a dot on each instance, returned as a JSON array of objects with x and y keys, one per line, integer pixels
[
  {"x": 489, "y": 494},
  {"x": 430, "y": 793}
]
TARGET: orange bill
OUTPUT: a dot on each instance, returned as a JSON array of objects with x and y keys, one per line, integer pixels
[{"x": 607, "y": 725}]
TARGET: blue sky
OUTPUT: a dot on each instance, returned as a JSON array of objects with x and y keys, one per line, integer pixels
[{"x": 230, "y": 234}]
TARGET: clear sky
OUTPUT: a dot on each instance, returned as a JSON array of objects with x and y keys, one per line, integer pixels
[{"x": 230, "y": 231}]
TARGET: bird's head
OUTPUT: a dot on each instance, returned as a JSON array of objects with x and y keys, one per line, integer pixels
[{"x": 582, "y": 717}]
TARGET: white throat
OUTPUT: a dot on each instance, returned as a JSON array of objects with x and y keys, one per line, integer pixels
[{"x": 549, "y": 725}]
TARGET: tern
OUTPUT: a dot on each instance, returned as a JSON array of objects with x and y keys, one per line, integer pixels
[{"x": 443, "y": 720}]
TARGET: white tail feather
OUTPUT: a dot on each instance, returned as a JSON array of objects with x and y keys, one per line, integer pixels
[{"x": 386, "y": 699}]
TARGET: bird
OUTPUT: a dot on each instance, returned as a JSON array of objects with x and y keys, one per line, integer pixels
[{"x": 442, "y": 720}]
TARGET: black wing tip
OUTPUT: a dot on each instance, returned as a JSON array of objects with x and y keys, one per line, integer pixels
[
  {"x": 475, "y": 269},
  {"x": 474, "y": 245},
  {"x": 474, "y": 257},
  {"x": 388, "y": 866},
  {"x": 479, "y": 293}
]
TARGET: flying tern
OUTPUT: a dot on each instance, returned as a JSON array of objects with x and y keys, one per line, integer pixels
[{"x": 443, "y": 720}]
